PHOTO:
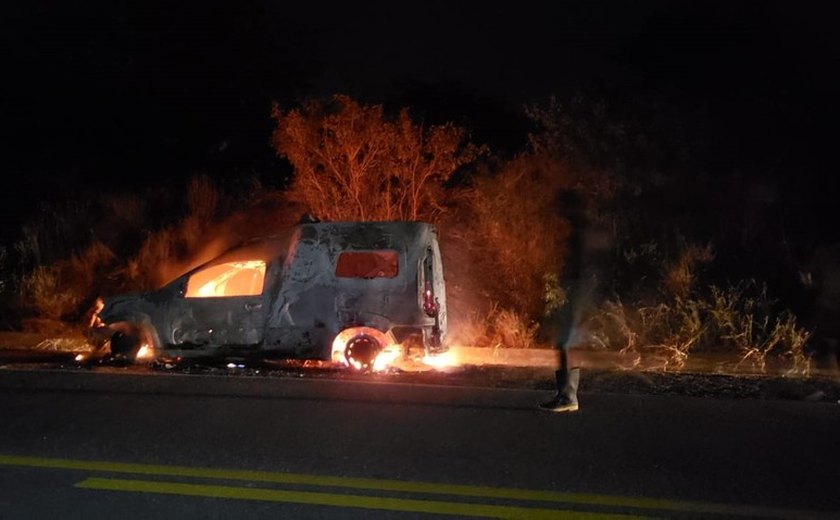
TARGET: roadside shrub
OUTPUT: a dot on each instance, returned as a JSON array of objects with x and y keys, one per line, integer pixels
[
  {"x": 160, "y": 254},
  {"x": 9, "y": 281},
  {"x": 203, "y": 198},
  {"x": 663, "y": 333},
  {"x": 740, "y": 319},
  {"x": 614, "y": 326},
  {"x": 680, "y": 276},
  {"x": 54, "y": 292},
  {"x": 55, "y": 231},
  {"x": 512, "y": 232},
  {"x": 59, "y": 262},
  {"x": 746, "y": 320},
  {"x": 88, "y": 267},
  {"x": 46, "y": 294},
  {"x": 512, "y": 329},
  {"x": 497, "y": 328}
]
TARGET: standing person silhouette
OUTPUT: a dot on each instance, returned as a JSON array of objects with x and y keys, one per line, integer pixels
[{"x": 581, "y": 280}]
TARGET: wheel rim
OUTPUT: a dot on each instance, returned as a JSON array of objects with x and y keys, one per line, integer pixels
[{"x": 361, "y": 351}]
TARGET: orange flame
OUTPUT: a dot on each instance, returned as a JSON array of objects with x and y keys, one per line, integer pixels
[
  {"x": 447, "y": 359},
  {"x": 386, "y": 357}
]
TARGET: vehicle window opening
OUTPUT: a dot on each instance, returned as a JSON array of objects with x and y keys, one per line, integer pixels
[
  {"x": 241, "y": 278},
  {"x": 428, "y": 266},
  {"x": 429, "y": 299},
  {"x": 367, "y": 264}
]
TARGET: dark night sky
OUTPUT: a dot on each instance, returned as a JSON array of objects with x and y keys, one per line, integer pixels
[{"x": 125, "y": 94}]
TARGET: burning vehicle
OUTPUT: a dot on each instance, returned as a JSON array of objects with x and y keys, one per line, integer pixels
[{"x": 354, "y": 293}]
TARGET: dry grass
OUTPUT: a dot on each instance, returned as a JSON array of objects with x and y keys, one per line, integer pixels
[
  {"x": 55, "y": 291},
  {"x": 498, "y": 328},
  {"x": 740, "y": 319},
  {"x": 67, "y": 270},
  {"x": 162, "y": 253},
  {"x": 47, "y": 292},
  {"x": 745, "y": 320},
  {"x": 680, "y": 276}
]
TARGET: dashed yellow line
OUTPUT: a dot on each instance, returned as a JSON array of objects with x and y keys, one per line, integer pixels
[
  {"x": 656, "y": 506},
  {"x": 339, "y": 500}
]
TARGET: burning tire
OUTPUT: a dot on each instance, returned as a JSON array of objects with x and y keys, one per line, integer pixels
[
  {"x": 364, "y": 348},
  {"x": 361, "y": 351},
  {"x": 132, "y": 344}
]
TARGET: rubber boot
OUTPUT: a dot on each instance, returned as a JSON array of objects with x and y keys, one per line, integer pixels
[{"x": 566, "y": 399}]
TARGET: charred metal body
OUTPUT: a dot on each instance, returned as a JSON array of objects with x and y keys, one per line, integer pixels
[{"x": 290, "y": 295}]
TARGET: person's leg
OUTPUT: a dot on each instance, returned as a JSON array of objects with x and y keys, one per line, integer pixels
[{"x": 566, "y": 378}]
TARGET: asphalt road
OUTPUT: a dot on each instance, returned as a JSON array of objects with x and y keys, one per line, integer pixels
[{"x": 76, "y": 444}]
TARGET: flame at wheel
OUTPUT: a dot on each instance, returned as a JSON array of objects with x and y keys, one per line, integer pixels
[{"x": 364, "y": 348}]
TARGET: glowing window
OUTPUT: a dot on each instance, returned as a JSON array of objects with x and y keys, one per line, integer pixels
[
  {"x": 228, "y": 279},
  {"x": 367, "y": 264}
]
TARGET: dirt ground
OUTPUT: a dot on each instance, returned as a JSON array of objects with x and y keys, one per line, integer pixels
[
  {"x": 702, "y": 385},
  {"x": 664, "y": 383},
  {"x": 696, "y": 381}
]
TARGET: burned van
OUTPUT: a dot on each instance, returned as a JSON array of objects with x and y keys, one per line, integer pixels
[{"x": 351, "y": 292}]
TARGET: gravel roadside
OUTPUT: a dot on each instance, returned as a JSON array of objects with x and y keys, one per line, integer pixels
[{"x": 533, "y": 371}]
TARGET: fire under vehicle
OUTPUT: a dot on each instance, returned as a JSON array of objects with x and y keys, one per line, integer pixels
[{"x": 349, "y": 292}]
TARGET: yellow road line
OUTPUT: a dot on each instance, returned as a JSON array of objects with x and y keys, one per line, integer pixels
[
  {"x": 340, "y": 500},
  {"x": 413, "y": 487}
]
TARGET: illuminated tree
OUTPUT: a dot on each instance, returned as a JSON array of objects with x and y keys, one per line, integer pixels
[
  {"x": 512, "y": 232},
  {"x": 352, "y": 162}
]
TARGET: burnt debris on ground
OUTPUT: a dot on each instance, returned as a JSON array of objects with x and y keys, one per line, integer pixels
[{"x": 620, "y": 381}]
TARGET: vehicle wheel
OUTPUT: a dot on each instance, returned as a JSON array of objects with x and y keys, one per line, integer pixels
[
  {"x": 124, "y": 347},
  {"x": 361, "y": 351},
  {"x": 363, "y": 348}
]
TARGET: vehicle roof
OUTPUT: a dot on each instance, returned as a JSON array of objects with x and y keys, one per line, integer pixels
[{"x": 337, "y": 235}]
